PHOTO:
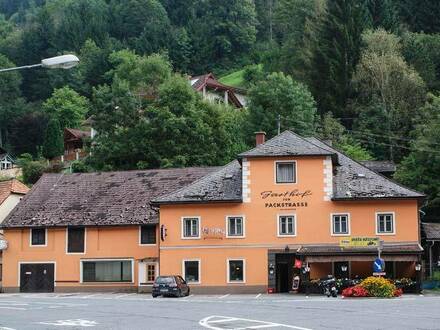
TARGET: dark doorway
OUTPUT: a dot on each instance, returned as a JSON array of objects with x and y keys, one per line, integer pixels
[
  {"x": 341, "y": 269},
  {"x": 282, "y": 272},
  {"x": 37, "y": 277}
]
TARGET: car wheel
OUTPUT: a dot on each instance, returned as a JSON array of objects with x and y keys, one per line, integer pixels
[
  {"x": 187, "y": 293},
  {"x": 154, "y": 295},
  {"x": 179, "y": 293}
]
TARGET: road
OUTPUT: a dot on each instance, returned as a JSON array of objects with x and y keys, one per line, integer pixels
[{"x": 262, "y": 311}]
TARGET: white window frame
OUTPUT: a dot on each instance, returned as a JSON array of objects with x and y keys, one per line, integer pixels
[
  {"x": 228, "y": 280},
  {"x": 377, "y": 223},
  {"x": 332, "y": 232},
  {"x": 156, "y": 271},
  {"x": 295, "y": 171},
  {"x": 199, "y": 220},
  {"x": 199, "y": 270},
  {"x": 243, "y": 225},
  {"x": 107, "y": 259},
  {"x": 140, "y": 235},
  {"x": 279, "y": 227},
  {"x": 85, "y": 242},
  {"x": 37, "y": 245}
]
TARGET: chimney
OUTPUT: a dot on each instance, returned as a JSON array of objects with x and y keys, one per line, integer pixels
[{"x": 260, "y": 137}]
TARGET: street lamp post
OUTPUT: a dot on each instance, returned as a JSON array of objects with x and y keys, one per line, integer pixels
[{"x": 58, "y": 62}]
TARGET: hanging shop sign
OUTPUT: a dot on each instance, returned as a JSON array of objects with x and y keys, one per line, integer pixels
[
  {"x": 359, "y": 242},
  {"x": 285, "y": 199}
]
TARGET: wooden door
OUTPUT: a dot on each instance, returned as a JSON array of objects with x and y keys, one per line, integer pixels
[{"x": 37, "y": 277}]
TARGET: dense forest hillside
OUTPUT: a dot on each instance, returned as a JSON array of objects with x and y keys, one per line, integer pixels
[{"x": 362, "y": 73}]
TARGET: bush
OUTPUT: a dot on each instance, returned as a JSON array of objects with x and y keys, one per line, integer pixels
[
  {"x": 378, "y": 287},
  {"x": 32, "y": 171},
  {"x": 355, "y": 291}
]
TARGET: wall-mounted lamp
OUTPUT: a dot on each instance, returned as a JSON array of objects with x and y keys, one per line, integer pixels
[
  {"x": 418, "y": 267},
  {"x": 163, "y": 232},
  {"x": 344, "y": 268}
]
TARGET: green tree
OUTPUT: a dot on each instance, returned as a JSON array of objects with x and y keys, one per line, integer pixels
[
  {"x": 331, "y": 129},
  {"x": 159, "y": 134},
  {"x": 9, "y": 93},
  {"x": 141, "y": 24},
  {"x": 53, "y": 141},
  {"x": 76, "y": 21},
  {"x": 421, "y": 51},
  {"x": 336, "y": 53},
  {"x": 279, "y": 96},
  {"x": 420, "y": 169},
  {"x": 143, "y": 74},
  {"x": 421, "y": 15},
  {"x": 222, "y": 35},
  {"x": 389, "y": 90},
  {"x": 67, "y": 106}
]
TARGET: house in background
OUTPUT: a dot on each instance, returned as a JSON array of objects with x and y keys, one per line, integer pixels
[
  {"x": 74, "y": 143},
  {"x": 11, "y": 192},
  {"x": 215, "y": 91},
  {"x": 6, "y": 160}
]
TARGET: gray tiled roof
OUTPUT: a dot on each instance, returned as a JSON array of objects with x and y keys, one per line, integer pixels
[
  {"x": 380, "y": 166},
  {"x": 220, "y": 186},
  {"x": 108, "y": 198},
  {"x": 286, "y": 144},
  {"x": 355, "y": 181},
  {"x": 432, "y": 230}
]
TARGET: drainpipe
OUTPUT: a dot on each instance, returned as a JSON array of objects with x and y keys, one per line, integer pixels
[{"x": 430, "y": 258}]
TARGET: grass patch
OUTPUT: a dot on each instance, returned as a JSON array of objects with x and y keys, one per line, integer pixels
[{"x": 234, "y": 79}]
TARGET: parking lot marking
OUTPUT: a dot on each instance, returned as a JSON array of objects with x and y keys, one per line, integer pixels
[
  {"x": 77, "y": 323},
  {"x": 258, "y": 296},
  {"x": 224, "y": 296},
  {"x": 89, "y": 296},
  {"x": 216, "y": 322},
  {"x": 14, "y": 308},
  {"x": 125, "y": 295}
]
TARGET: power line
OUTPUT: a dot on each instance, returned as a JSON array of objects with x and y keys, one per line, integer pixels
[
  {"x": 399, "y": 146},
  {"x": 386, "y": 136}
]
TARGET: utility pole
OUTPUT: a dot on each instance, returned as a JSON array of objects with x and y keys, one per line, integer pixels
[
  {"x": 279, "y": 123},
  {"x": 270, "y": 19}
]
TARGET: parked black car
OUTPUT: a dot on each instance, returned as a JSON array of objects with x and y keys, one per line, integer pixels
[{"x": 173, "y": 285}]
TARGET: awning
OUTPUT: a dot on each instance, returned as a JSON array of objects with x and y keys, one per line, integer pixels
[
  {"x": 411, "y": 258},
  {"x": 390, "y": 252}
]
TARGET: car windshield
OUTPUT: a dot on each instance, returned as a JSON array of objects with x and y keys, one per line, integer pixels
[{"x": 165, "y": 280}]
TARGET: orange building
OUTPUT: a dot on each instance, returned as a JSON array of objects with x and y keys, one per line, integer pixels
[{"x": 279, "y": 210}]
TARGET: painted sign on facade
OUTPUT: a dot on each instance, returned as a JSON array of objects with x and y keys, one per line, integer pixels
[
  {"x": 359, "y": 242},
  {"x": 285, "y": 199}
]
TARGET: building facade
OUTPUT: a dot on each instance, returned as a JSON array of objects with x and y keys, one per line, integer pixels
[{"x": 280, "y": 210}]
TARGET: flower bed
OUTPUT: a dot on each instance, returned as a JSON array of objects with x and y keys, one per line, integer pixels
[{"x": 373, "y": 287}]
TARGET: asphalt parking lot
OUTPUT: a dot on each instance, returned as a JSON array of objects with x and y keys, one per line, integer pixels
[{"x": 261, "y": 311}]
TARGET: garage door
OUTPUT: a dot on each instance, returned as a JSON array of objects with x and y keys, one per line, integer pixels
[{"x": 36, "y": 277}]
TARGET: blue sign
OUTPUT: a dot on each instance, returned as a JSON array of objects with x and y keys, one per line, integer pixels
[{"x": 378, "y": 265}]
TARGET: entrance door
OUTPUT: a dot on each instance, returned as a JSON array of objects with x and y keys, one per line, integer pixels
[
  {"x": 282, "y": 273},
  {"x": 37, "y": 277}
]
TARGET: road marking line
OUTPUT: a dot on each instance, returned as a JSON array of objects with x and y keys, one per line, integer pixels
[
  {"x": 258, "y": 296},
  {"x": 124, "y": 295},
  {"x": 207, "y": 321},
  {"x": 226, "y": 295},
  {"x": 89, "y": 296},
  {"x": 14, "y": 308}
]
